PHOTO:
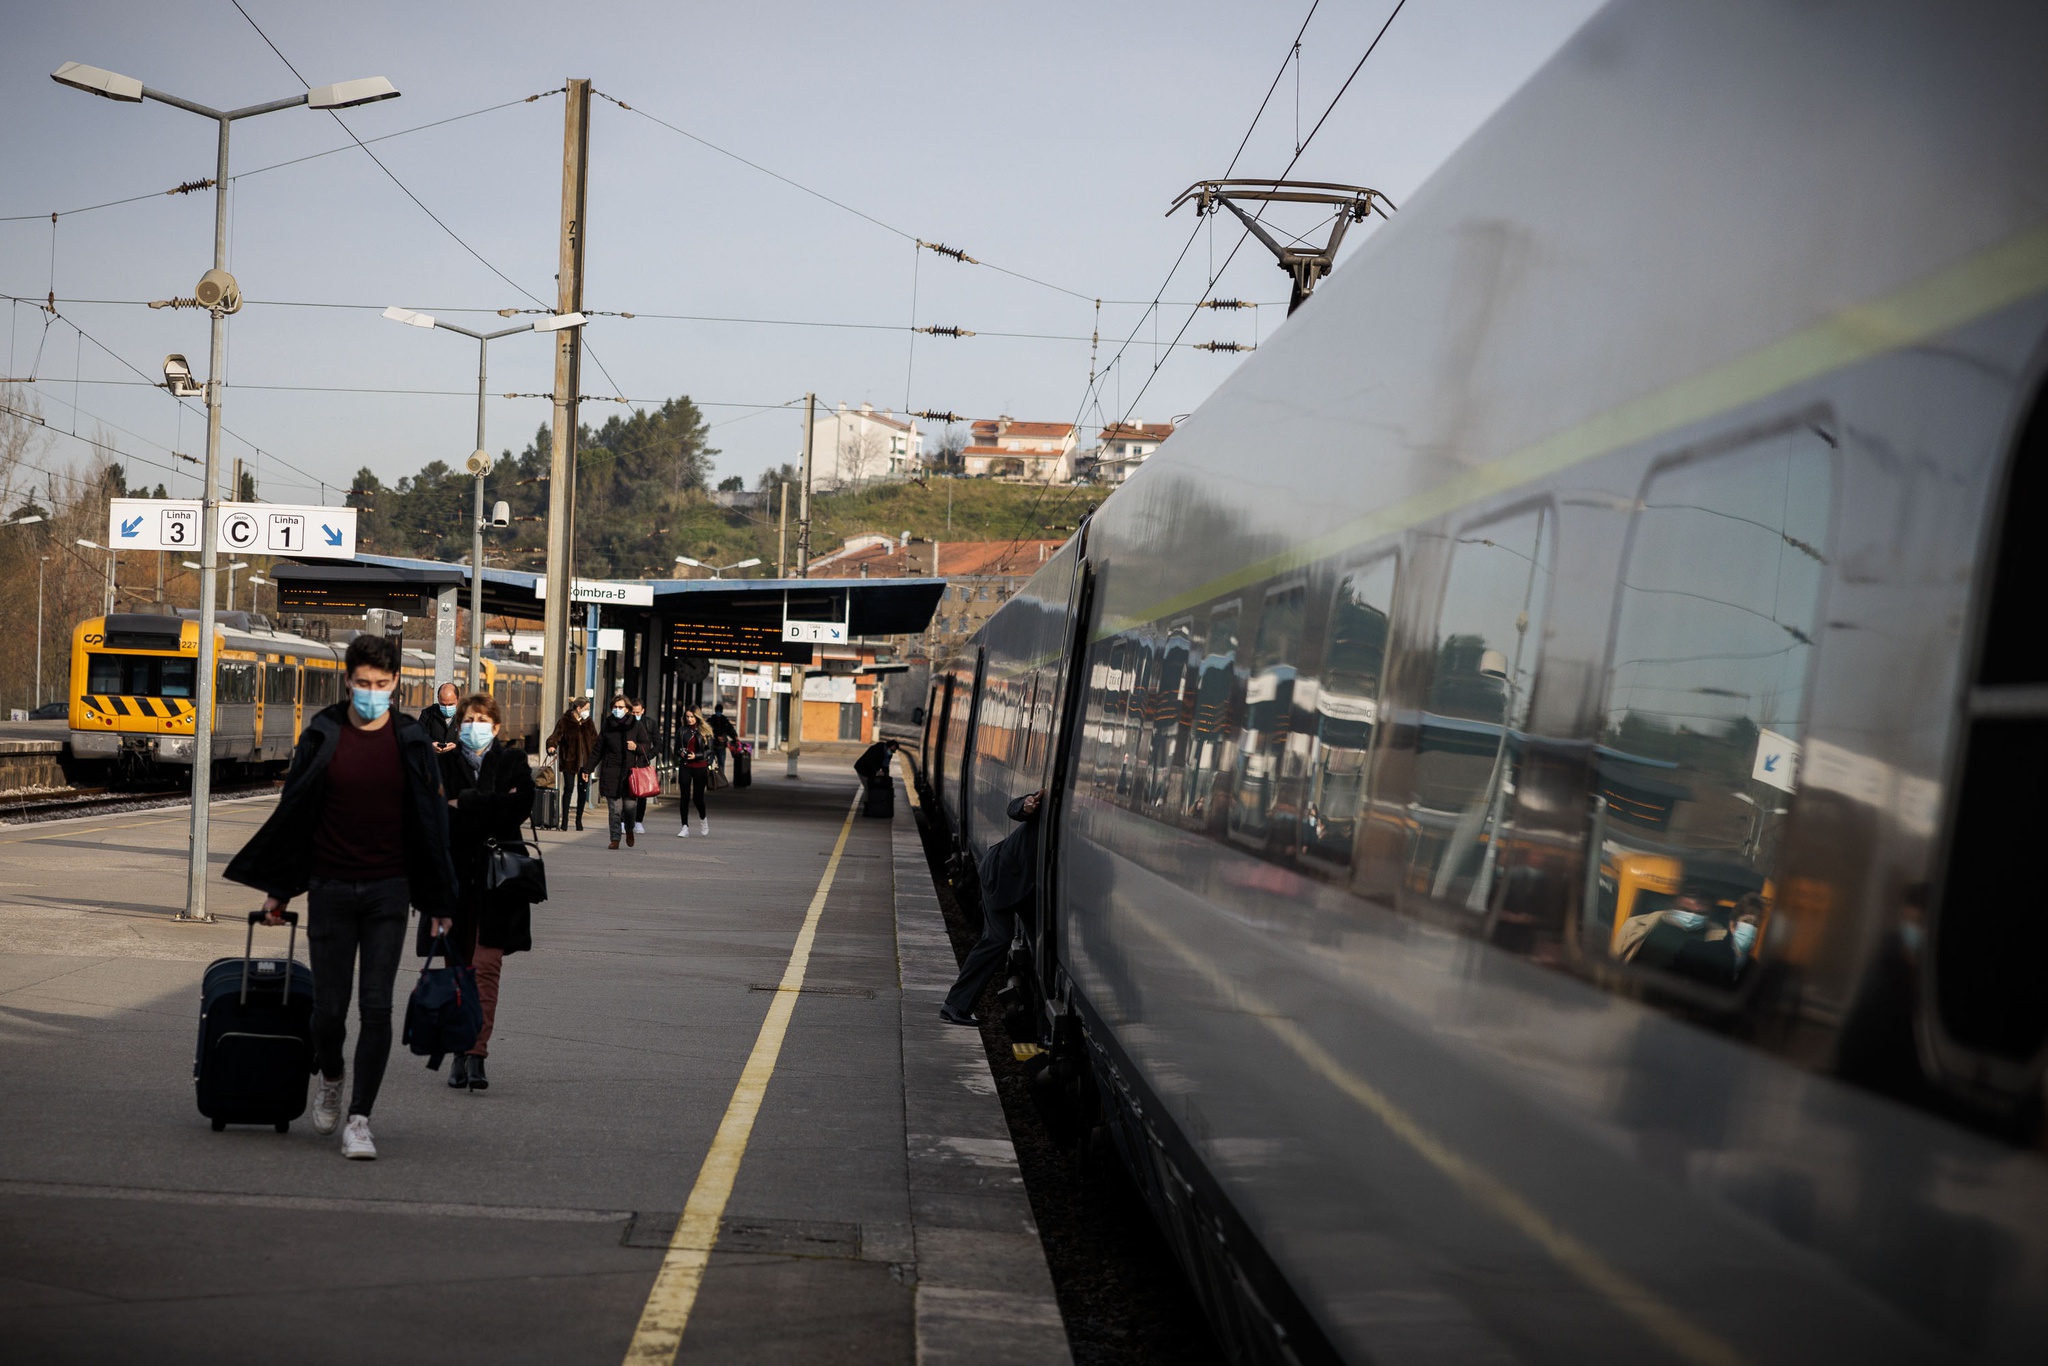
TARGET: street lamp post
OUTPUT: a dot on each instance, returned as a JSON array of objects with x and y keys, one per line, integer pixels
[
  {"x": 231, "y": 568},
  {"x": 220, "y": 296},
  {"x": 42, "y": 563},
  {"x": 256, "y": 582},
  {"x": 107, "y": 595},
  {"x": 480, "y": 458},
  {"x": 718, "y": 571}
]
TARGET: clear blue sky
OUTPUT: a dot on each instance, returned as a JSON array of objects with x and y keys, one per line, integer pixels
[{"x": 1046, "y": 138}]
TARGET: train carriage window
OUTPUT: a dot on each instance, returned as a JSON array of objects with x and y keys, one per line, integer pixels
[
  {"x": 1489, "y": 637},
  {"x": 1347, "y": 708},
  {"x": 1705, "y": 691},
  {"x": 1266, "y": 780},
  {"x": 236, "y": 683},
  {"x": 323, "y": 688},
  {"x": 281, "y": 685}
]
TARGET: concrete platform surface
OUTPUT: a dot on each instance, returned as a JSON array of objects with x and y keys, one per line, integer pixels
[{"x": 876, "y": 1213}]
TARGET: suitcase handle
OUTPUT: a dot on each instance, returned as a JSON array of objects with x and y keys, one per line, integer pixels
[{"x": 291, "y": 918}]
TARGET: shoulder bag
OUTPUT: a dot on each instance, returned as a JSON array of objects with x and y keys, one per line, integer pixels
[
  {"x": 643, "y": 781},
  {"x": 510, "y": 869}
]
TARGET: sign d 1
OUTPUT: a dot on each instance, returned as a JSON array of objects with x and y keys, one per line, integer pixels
[
  {"x": 814, "y": 632},
  {"x": 245, "y": 528},
  {"x": 1777, "y": 760}
]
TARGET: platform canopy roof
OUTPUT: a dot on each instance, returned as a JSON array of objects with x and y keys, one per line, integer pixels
[{"x": 869, "y": 607}]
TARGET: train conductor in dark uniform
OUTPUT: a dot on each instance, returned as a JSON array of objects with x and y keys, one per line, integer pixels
[{"x": 1009, "y": 879}]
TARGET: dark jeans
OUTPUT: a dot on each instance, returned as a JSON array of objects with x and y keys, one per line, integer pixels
[
  {"x": 690, "y": 787},
  {"x": 639, "y": 811},
  {"x": 582, "y": 800},
  {"x": 344, "y": 921},
  {"x": 985, "y": 959}
]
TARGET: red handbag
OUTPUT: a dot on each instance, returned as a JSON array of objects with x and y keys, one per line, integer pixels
[{"x": 643, "y": 782}]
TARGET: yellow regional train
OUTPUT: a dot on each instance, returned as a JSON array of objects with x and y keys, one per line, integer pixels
[{"x": 134, "y": 681}]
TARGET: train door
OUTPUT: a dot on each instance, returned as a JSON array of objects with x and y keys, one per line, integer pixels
[
  {"x": 966, "y": 778},
  {"x": 1067, "y": 694},
  {"x": 1989, "y": 1023}
]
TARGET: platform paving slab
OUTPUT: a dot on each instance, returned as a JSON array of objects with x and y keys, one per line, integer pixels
[{"x": 877, "y": 1217}]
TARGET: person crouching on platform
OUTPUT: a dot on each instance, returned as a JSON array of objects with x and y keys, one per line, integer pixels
[
  {"x": 362, "y": 829},
  {"x": 621, "y": 747},
  {"x": 694, "y": 744},
  {"x": 573, "y": 746},
  {"x": 490, "y": 794}
]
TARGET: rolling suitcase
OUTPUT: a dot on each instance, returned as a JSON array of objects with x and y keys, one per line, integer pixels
[
  {"x": 742, "y": 768},
  {"x": 255, "y": 1056},
  {"x": 547, "y": 807},
  {"x": 880, "y": 801}
]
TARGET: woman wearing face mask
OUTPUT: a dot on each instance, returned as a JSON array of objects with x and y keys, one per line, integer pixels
[
  {"x": 694, "y": 744},
  {"x": 622, "y": 747},
  {"x": 647, "y": 743},
  {"x": 573, "y": 746},
  {"x": 490, "y": 794}
]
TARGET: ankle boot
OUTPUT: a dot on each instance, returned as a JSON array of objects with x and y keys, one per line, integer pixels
[{"x": 458, "y": 1071}]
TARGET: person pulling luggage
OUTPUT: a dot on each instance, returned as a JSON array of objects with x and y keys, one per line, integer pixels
[
  {"x": 490, "y": 794},
  {"x": 621, "y": 749},
  {"x": 694, "y": 744},
  {"x": 361, "y": 829},
  {"x": 573, "y": 746},
  {"x": 722, "y": 731}
]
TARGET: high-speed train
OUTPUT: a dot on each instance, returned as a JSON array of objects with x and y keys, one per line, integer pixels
[
  {"x": 134, "y": 690},
  {"x": 1543, "y": 767}
]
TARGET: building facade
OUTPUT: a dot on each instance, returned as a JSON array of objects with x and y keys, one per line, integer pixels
[
  {"x": 1030, "y": 452},
  {"x": 851, "y": 447},
  {"x": 1122, "y": 447}
]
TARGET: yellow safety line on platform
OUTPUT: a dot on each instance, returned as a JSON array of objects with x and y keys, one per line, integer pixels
[
  {"x": 667, "y": 1313},
  {"x": 1661, "y": 1320}
]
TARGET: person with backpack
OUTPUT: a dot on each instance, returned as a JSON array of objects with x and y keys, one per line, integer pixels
[
  {"x": 490, "y": 794},
  {"x": 573, "y": 746},
  {"x": 694, "y": 745},
  {"x": 361, "y": 829},
  {"x": 622, "y": 746}
]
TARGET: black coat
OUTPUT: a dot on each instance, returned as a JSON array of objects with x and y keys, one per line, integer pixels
[
  {"x": 440, "y": 729},
  {"x": 1009, "y": 870},
  {"x": 491, "y": 803},
  {"x": 613, "y": 758},
  {"x": 278, "y": 859}
]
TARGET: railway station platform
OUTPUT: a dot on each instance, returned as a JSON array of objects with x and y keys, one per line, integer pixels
[{"x": 723, "y": 1113}]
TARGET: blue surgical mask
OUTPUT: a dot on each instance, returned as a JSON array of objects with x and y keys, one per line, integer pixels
[
  {"x": 371, "y": 703},
  {"x": 1744, "y": 936},
  {"x": 447, "y": 708},
  {"x": 1686, "y": 920},
  {"x": 476, "y": 735},
  {"x": 1912, "y": 937},
  {"x": 619, "y": 712}
]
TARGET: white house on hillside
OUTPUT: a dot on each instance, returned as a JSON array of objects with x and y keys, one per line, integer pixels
[
  {"x": 1004, "y": 448},
  {"x": 1123, "y": 447},
  {"x": 855, "y": 446}
]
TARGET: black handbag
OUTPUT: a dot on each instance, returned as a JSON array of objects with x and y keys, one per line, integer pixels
[
  {"x": 444, "y": 1014},
  {"x": 510, "y": 869}
]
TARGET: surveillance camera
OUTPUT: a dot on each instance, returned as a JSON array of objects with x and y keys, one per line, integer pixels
[
  {"x": 501, "y": 514},
  {"x": 479, "y": 462},
  {"x": 217, "y": 289}
]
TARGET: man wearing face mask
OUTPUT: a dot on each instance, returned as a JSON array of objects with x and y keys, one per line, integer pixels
[
  {"x": 362, "y": 829},
  {"x": 438, "y": 719},
  {"x": 490, "y": 793}
]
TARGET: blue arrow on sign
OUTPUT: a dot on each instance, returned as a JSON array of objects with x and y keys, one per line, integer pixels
[
  {"x": 1771, "y": 763},
  {"x": 131, "y": 526},
  {"x": 333, "y": 536}
]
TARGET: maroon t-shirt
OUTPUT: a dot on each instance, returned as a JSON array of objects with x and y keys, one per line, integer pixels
[{"x": 361, "y": 835}]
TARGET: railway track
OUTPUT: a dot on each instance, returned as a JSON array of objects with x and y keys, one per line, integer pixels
[{"x": 95, "y": 801}]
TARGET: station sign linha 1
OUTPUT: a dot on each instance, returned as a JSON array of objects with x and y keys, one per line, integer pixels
[{"x": 245, "y": 528}]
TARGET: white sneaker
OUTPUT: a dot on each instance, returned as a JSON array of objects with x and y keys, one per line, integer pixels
[
  {"x": 704, "y": 827},
  {"x": 355, "y": 1139},
  {"x": 638, "y": 828},
  {"x": 684, "y": 833},
  {"x": 327, "y": 1106}
]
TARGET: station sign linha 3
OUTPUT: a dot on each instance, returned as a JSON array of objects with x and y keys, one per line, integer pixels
[{"x": 305, "y": 532}]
